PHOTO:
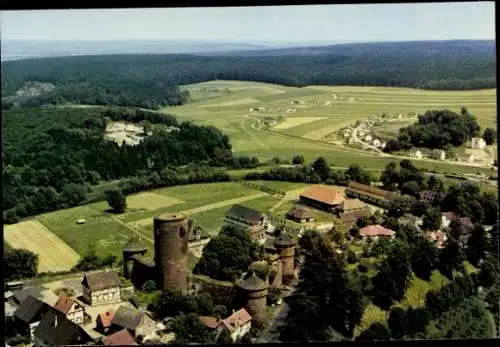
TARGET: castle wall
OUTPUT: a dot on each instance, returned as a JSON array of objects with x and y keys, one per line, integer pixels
[{"x": 223, "y": 293}]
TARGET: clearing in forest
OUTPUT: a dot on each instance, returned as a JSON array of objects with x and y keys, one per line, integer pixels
[
  {"x": 54, "y": 254},
  {"x": 296, "y": 121}
]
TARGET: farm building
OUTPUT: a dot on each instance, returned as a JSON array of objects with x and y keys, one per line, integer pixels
[
  {"x": 466, "y": 158},
  {"x": 56, "y": 330},
  {"x": 120, "y": 338},
  {"x": 417, "y": 154},
  {"x": 71, "y": 309},
  {"x": 101, "y": 288},
  {"x": 478, "y": 143},
  {"x": 28, "y": 316},
  {"x": 243, "y": 216},
  {"x": 369, "y": 194},
  {"x": 135, "y": 321},
  {"x": 350, "y": 210},
  {"x": 237, "y": 325},
  {"x": 322, "y": 198},
  {"x": 376, "y": 231},
  {"x": 431, "y": 196},
  {"x": 438, "y": 154},
  {"x": 300, "y": 214}
]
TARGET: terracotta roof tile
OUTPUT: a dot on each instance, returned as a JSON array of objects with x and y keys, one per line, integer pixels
[
  {"x": 375, "y": 230},
  {"x": 64, "y": 304},
  {"x": 240, "y": 317},
  {"x": 323, "y": 194},
  {"x": 120, "y": 338},
  {"x": 352, "y": 204},
  {"x": 210, "y": 322},
  {"x": 106, "y": 318}
]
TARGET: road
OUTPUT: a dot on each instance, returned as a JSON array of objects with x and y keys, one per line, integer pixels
[{"x": 355, "y": 137}]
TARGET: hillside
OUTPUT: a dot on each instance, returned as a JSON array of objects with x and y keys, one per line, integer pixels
[{"x": 152, "y": 80}]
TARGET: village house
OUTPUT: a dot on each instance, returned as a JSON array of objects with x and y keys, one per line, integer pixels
[
  {"x": 300, "y": 214},
  {"x": 438, "y": 154},
  {"x": 369, "y": 194},
  {"x": 376, "y": 143},
  {"x": 438, "y": 237},
  {"x": 237, "y": 325},
  {"x": 376, "y": 231},
  {"x": 242, "y": 216},
  {"x": 103, "y": 321},
  {"x": 417, "y": 154},
  {"x": 322, "y": 198},
  {"x": 465, "y": 158},
  {"x": 478, "y": 143},
  {"x": 101, "y": 288},
  {"x": 28, "y": 316},
  {"x": 350, "y": 210},
  {"x": 120, "y": 338},
  {"x": 71, "y": 309},
  {"x": 431, "y": 197},
  {"x": 137, "y": 322},
  {"x": 56, "y": 330}
]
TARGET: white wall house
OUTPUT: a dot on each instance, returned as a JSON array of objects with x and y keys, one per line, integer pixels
[
  {"x": 418, "y": 154},
  {"x": 71, "y": 309},
  {"x": 101, "y": 288},
  {"x": 478, "y": 143}
]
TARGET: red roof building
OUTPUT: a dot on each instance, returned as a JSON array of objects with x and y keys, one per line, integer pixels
[
  {"x": 120, "y": 338},
  {"x": 322, "y": 198},
  {"x": 103, "y": 321},
  {"x": 376, "y": 231},
  {"x": 71, "y": 309}
]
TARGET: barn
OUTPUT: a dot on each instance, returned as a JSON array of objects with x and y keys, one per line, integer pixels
[
  {"x": 322, "y": 198},
  {"x": 300, "y": 214},
  {"x": 369, "y": 194}
]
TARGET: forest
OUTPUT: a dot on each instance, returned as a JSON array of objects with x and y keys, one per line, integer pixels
[
  {"x": 152, "y": 81},
  {"x": 53, "y": 155}
]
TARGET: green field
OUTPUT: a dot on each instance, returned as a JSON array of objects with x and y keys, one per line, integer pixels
[{"x": 226, "y": 106}]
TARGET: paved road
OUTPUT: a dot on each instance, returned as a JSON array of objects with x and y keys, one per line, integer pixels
[{"x": 272, "y": 333}]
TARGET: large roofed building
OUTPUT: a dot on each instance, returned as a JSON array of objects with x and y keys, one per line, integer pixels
[
  {"x": 350, "y": 210},
  {"x": 322, "y": 198},
  {"x": 369, "y": 194}
]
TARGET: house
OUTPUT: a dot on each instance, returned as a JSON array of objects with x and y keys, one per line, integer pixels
[
  {"x": 101, "y": 288},
  {"x": 322, "y": 198},
  {"x": 239, "y": 215},
  {"x": 417, "y": 154},
  {"x": 431, "y": 197},
  {"x": 465, "y": 158},
  {"x": 300, "y": 214},
  {"x": 29, "y": 314},
  {"x": 438, "y": 237},
  {"x": 369, "y": 194},
  {"x": 350, "y": 210},
  {"x": 71, "y": 309},
  {"x": 438, "y": 154},
  {"x": 368, "y": 138},
  {"x": 376, "y": 143},
  {"x": 56, "y": 330},
  {"x": 137, "y": 322},
  {"x": 103, "y": 321},
  {"x": 237, "y": 325},
  {"x": 478, "y": 143},
  {"x": 120, "y": 338},
  {"x": 376, "y": 231},
  {"x": 257, "y": 233}
]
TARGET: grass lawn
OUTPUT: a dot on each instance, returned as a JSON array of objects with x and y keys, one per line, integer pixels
[
  {"x": 100, "y": 229},
  {"x": 281, "y": 185}
]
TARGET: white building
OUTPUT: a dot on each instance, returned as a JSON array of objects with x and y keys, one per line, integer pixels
[
  {"x": 71, "y": 309},
  {"x": 478, "y": 143},
  {"x": 376, "y": 143},
  {"x": 101, "y": 288},
  {"x": 368, "y": 138},
  {"x": 237, "y": 325},
  {"x": 418, "y": 154}
]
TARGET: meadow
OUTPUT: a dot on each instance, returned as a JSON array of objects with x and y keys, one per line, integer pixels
[{"x": 328, "y": 108}]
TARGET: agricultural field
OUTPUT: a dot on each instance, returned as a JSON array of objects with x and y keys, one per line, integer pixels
[{"x": 319, "y": 111}]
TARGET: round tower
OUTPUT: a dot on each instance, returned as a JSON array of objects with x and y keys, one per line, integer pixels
[
  {"x": 133, "y": 247},
  {"x": 255, "y": 293},
  {"x": 171, "y": 251},
  {"x": 286, "y": 249}
]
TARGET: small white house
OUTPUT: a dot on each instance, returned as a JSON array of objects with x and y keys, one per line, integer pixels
[
  {"x": 368, "y": 138},
  {"x": 478, "y": 143},
  {"x": 237, "y": 325},
  {"x": 376, "y": 143},
  {"x": 71, "y": 309},
  {"x": 417, "y": 154}
]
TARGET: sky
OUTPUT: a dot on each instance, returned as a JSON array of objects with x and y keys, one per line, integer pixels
[{"x": 340, "y": 23}]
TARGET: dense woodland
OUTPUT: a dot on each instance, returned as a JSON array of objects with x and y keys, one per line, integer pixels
[{"x": 151, "y": 81}]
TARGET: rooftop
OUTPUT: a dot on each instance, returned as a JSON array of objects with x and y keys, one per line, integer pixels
[
  {"x": 64, "y": 304},
  {"x": 170, "y": 217},
  {"x": 376, "y": 230},
  {"x": 101, "y": 280},
  {"x": 246, "y": 213},
  {"x": 253, "y": 283},
  {"x": 120, "y": 338},
  {"x": 301, "y": 212},
  {"x": 127, "y": 317},
  {"x": 323, "y": 194},
  {"x": 352, "y": 204}
]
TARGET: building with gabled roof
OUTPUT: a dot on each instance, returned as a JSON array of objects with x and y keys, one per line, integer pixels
[
  {"x": 369, "y": 194},
  {"x": 237, "y": 324},
  {"x": 56, "y": 330},
  {"x": 376, "y": 231},
  {"x": 103, "y": 321},
  {"x": 242, "y": 215},
  {"x": 120, "y": 338},
  {"x": 101, "y": 288},
  {"x": 71, "y": 309},
  {"x": 321, "y": 197},
  {"x": 137, "y": 322},
  {"x": 28, "y": 315},
  {"x": 301, "y": 214}
]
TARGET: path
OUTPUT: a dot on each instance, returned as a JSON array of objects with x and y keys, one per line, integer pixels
[
  {"x": 242, "y": 124},
  {"x": 133, "y": 228},
  {"x": 355, "y": 137},
  {"x": 204, "y": 208}
]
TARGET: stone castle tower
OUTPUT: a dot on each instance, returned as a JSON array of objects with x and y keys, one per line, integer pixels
[
  {"x": 286, "y": 249},
  {"x": 171, "y": 236},
  {"x": 254, "y": 291},
  {"x": 135, "y": 246}
]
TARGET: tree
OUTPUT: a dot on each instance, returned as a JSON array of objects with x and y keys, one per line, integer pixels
[
  {"x": 451, "y": 258},
  {"x": 400, "y": 205},
  {"x": 398, "y": 322},
  {"x": 20, "y": 263},
  {"x": 357, "y": 174},
  {"x": 411, "y": 188},
  {"x": 322, "y": 168},
  {"x": 419, "y": 208},
  {"x": 298, "y": 160},
  {"x": 425, "y": 258},
  {"x": 432, "y": 219},
  {"x": 149, "y": 286},
  {"x": 376, "y": 331},
  {"x": 476, "y": 245},
  {"x": 189, "y": 329},
  {"x": 116, "y": 200},
  {"x": 435, "y": 184},
  {"x": 489, "y": 136},
  {"x": 418, "y": 318},
  {"x": 390, "y": 176}
]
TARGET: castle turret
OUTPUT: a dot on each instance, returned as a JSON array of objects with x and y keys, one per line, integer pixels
[
  {"x": 254, "y": 290},
  {"x": 286, "y": 249},
  {"x": 135, "y": 246},
  {"x": 171, "y": 234}
]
